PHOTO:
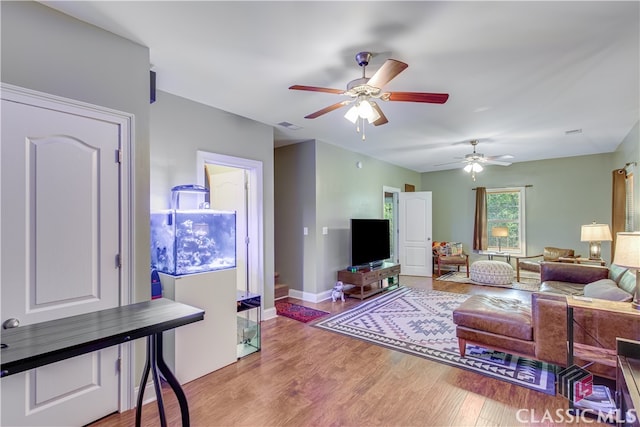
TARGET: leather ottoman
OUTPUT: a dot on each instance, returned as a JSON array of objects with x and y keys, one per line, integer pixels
[
  {"x": 492, "y": 272},
  {"x": 498, "y": 323}
]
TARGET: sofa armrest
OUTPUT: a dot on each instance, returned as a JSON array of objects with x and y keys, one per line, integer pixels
[
  {"x": 572, "y": 273},
  {"x": 518, "y": 258},
  {"x": 549, "y": 320},
  {"x": 526, "y": 259}
]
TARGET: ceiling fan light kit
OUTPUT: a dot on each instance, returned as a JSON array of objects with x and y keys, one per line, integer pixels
[
  {"x": 364, "y": 110},
  {"x": 473, "y": 167},
  {"x": 363, "y": 90}
]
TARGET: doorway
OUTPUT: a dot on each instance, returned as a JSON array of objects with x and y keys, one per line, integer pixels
[
  {"x": 236, "y": 184},
  {"x": 390, "y": 212}
]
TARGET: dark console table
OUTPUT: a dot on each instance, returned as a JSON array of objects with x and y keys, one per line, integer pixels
[{"x": 39, "y": 344}]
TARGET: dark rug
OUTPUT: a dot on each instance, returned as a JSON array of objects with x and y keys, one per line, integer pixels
[
  {"x": 420, "y": 322},
  {"x": 298, "y": 312}
]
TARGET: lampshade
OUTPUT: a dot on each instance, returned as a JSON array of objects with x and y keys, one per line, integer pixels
[
  {"x": 475, "y": 167},
  {"x": 499, "y": 232},
  {"x": 627, "y": 250},
  {"x": 352, "y": 114},
  {"x": 628, "y": 255},
  {"x": 595, "y": 233},
  {"x": 362, "y": 109}
]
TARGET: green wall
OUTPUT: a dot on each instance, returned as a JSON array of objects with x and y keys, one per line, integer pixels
[
  {"x": 48, "y": 51},
  {"x": 180, "y": 128},
  {"x": 295, "y": 209},
  {"x": 629, "y": 152},
  {"x": 564, "y": 194},
  {"x": 319, "y": 185}
]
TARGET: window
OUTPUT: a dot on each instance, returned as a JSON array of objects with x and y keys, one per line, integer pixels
[{"x": 505, "y": 208}]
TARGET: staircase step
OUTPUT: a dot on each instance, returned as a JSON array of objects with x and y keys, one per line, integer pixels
[{"x": 281, "y": 291}]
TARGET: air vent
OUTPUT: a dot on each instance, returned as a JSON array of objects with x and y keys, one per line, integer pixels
[{"x": 290, "y": 126}]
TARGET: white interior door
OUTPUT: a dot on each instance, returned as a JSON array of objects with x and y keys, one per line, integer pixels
[
  {"x": 60, "y": 239},
  {"x": 415, "y": 231},
  {"x": 228, "y": 192}
]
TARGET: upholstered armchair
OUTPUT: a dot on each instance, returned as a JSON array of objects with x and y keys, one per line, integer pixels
[
  {"x": 532, "y": 262},
  {"x": 450, "y": 253}
]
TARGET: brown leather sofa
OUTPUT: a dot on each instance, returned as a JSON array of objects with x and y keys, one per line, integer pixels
[
  {"x": 532, "y": 262},
  {"x": 612, "y": 283},
  {"x": 538, "y": 328}
]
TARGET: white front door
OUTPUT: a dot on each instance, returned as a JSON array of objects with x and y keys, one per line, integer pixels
[
  {"x": 60, "y": 246},
  {"x": 415, "y": 231}
]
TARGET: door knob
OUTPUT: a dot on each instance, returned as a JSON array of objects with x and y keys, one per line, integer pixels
[{"x": 10, "y": 323}]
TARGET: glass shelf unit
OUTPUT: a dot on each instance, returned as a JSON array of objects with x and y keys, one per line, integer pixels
[{"x": 249, "y": 309}]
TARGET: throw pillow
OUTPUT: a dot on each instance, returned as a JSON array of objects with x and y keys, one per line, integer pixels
[
  {"x": 628, "y": 281},
  {"x": 616, "y": 272},
  {"x": 606, "y": 289}
]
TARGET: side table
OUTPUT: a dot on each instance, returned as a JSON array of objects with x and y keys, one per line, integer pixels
[
  {"x": 627, "y": 381},
  {"x": 598, "y": 308},
  {"x": 490, "y": 255},
  {"x": 605, "y": 356}
]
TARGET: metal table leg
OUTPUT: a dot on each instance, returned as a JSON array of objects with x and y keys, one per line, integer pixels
[{"x": 155, "y": 362}]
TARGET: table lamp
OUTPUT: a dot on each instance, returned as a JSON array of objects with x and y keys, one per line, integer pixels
[
  {"x": 499, "y": 232},
  {"x": 594, "y": 234},
  {"x": 628, "y": 255}
]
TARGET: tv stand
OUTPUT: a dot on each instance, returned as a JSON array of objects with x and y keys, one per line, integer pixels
[{"x": 369, "y": 281}]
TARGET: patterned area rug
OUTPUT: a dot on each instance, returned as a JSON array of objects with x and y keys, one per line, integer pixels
[
  {"x": 529, "y": 281},
  {"x": 298, "y": 312},
  {"x": 420, "y": 322}
]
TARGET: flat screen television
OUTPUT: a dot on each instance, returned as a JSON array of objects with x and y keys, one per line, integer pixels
[{"x": 370, "y": 241}]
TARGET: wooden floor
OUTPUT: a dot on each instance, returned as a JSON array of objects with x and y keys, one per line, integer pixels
[{"x": 305, "y": 376}]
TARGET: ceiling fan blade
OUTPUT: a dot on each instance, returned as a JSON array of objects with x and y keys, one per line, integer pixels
[
  {"x": 450, "y": 163},
  {"x": 501, "y": 157},
  {"x": 432, "y": 98},
  {"x": 388, "y": 71},
  {"x": 327, "y": 110},
  {"x": 317, "y": 89},
  {"x": 383, "y": 119},
  {"x": 496, "y": 162}
]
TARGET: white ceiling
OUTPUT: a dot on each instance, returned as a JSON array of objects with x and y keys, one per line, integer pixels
[{"x": 519, "y": 74}]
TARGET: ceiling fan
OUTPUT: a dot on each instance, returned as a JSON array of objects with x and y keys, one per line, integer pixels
[
  {"x": 474, "y": 161},
  {"x": 363, "y": 92}
]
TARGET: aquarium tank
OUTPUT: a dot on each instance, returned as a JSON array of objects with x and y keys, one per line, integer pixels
[{"x": 187, "y": 241}]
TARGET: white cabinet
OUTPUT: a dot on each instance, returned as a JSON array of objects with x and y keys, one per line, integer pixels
[{"x": 202, "y": 347}]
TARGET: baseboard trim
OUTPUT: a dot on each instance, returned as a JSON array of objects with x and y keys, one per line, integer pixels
[
  {"x": 269, "y": 313},
  {"x": 308, "y": 296},
  {"x": 150, "y": 394}
]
